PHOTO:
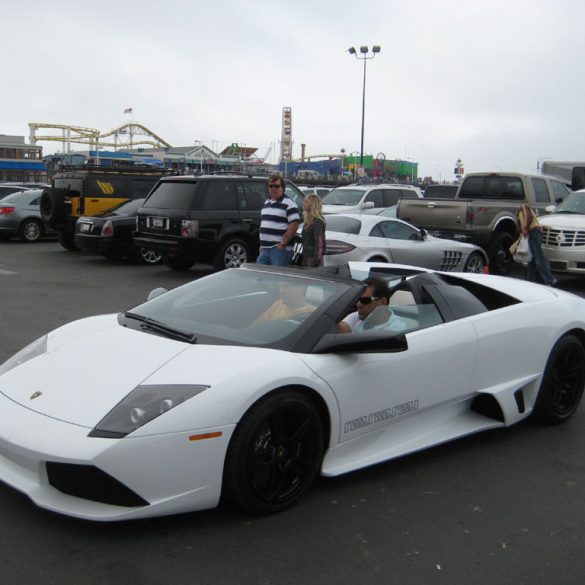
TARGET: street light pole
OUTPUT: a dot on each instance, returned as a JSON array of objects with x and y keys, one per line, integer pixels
[{"x": 364, "y": 57}]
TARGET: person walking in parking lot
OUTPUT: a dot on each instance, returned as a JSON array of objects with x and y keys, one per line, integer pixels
[
  {"x": 279, "y": 222},
  {"x": 313, "y": 232},
  {"x": 530, "y": 227}
]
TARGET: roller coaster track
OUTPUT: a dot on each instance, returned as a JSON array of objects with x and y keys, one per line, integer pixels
[{"x": 124, "y": 136}]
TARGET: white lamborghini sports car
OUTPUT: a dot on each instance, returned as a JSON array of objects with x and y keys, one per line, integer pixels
[{"x": 238, "y": 386}]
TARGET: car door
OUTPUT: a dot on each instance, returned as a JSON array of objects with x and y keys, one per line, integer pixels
[
  {"x": 378, "y": 390},
  {"x": 406, "y": 245},
  {"x": 251, "y": 197},
  {"x": 375, "y": 196}
]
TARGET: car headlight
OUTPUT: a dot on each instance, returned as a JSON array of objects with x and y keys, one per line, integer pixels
[
  {"x": 34, "y": 349},
  {"x": 143, "y": 404}
]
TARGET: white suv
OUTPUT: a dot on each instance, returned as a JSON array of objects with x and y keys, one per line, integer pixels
[{"x": 370, "y": 199}]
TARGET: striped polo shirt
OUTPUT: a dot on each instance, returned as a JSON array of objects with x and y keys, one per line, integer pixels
[{"x": 274, "y": 220}]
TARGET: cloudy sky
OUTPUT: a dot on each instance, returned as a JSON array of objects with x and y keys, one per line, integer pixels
[{"x": 497, "y": 83}]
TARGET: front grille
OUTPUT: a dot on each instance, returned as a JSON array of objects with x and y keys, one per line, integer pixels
[
  {"x": 561, "y": 238},
  {"x": 451, "y": 260},
  {"x": 90, "y": 483}
]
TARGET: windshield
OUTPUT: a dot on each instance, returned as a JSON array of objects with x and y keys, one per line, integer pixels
[
  {"x": 240, "y": 306},
  {"x": 343, "y": 197},
  {"x": 574, "y": 203},
  {"x": 127, "y": 208},
  {"x": 16, "y": 197}
]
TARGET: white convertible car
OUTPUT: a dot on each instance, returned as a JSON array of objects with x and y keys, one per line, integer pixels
[{"x": 239, "y": 386}]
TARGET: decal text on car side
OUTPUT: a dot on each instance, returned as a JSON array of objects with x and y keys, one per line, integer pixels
[{"x": 375, "y": 417}]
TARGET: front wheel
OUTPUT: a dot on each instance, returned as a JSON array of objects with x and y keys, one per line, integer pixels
[
  {"x": 31, "y": 230},
  {"x": 148, "y": 256},
  {"x": 475, "y": 263},
  {"x": 231, "y": 254},
  {"x": 275, "y": 453},
  {"x": 562, "y": 383},
  {"x": 499, "y": 253}
]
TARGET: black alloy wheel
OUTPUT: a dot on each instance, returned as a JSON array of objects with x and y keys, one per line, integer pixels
[
  {"x": 500, "y": 259},
  {"x": 275, "y": 453},
  {"x": 563, "y": 382}
]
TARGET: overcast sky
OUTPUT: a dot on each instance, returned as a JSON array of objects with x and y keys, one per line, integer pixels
[{"x": 497, "y": 83}]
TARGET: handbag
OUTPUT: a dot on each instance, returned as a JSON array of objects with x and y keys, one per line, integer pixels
[
  {"x": 297, "y": 257},
  {"x": 522, "y": 255}
]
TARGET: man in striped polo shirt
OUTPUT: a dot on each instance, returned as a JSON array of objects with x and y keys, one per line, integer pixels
[{"x": 278, "y": 225}]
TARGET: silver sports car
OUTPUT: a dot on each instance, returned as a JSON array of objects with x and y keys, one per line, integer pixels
[{"x": 375, "y": 238}]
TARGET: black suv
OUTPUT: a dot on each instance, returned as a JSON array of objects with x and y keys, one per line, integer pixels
[{"x": 210, "y": 219}]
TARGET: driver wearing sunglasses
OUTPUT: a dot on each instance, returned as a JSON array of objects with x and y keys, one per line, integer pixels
[{"x": 376, "y": 294}]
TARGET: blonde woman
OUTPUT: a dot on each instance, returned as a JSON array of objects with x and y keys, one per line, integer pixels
[{"x": 313, "y": 232}]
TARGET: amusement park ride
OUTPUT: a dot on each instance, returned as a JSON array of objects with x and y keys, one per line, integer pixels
[{"x": 126, "y": 136}]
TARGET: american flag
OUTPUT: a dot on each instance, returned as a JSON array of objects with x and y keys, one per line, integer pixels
[{"x": 128, "y": 111}]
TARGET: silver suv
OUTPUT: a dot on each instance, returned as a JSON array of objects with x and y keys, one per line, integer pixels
[{"x": 370, "y": 199}]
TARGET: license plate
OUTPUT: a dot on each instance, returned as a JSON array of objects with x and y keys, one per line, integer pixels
[
  {"x": 557, "y": 265},
  {"x": 85, "y": 227},
  {"x": 159, "y": 222}
]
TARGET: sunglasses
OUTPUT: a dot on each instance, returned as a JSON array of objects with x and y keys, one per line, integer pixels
[
  {"x": 274, "y": 186},
  {"x": 367, "y": 300}
]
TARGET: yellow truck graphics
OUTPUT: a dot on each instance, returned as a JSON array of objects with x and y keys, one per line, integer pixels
[{"x": 105, "y": 187}]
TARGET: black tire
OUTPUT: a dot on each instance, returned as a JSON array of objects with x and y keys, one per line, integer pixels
[
  {"x": 232, "y": 253},
  {"x": 31, "y": 230},
  {"x": 475, "y": 263},
  {"x": 563, "y": 382},
  {"x": 500, "y": 259},
  {"x": 53, "y": 206},
  {"x": 67, "y": 240},
  {"x": 148, "y": 256},
  {"x": 274, "y": 454},
  {"x": 178, "y": 262}
]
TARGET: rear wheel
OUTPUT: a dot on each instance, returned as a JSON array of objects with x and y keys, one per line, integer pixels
[
  {"x": 562, "y": 383},
  {"x": 499, "y": 253},
  {"x": 475, "y": 263},
  {"x": 231, "y": 254},
  {"x": 275, "y": 453},
  {"x": 31, "y": 230},
  {"x": 178, "y": 261},
  {"x": 377, "y": 259},
  {"x": 67, "y": 240}
]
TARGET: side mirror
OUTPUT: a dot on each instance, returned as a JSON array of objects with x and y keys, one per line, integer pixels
[
  {"x": 423, "y": 233},
  {"x": 156, "y": 293},
  {"x": 551, "y": 208},
  {"x": 368, "y": 205}
]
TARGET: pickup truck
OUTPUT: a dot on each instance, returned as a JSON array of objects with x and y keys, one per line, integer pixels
[{"x": 484, "y": 209}]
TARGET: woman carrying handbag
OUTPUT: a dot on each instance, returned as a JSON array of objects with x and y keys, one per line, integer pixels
[
  {"x": 530, "y": 227},
  {"x": 313, "y": 232}
]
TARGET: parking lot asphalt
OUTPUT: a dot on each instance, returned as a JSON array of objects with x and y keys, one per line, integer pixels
[{"x": 504, "y": 507}]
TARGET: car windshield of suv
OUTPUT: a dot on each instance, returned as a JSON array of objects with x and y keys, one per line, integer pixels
[
  {"x": 236, "y": 306},
  {"x": 343, "y": 197},
  {"x": 172, "y": 195},
  {"x": 339, "y": 223},
  {"x": 574, "y": 203}
]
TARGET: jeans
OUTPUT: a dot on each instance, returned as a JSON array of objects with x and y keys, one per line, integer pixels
[
  {"x": 539, "y": 264},
  {"x": 274, "y": 256}
]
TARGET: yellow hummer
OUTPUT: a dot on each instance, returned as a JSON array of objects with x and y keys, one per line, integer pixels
[{"x": 91, "y": 191}]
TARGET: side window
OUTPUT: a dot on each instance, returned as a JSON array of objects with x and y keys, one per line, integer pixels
[
  {"x": 219, "y": 196},
  {"x": 559, "y": 191},
  {"x": 377, "y": 232},
  {"x": 391, "y": 197},
  {"x": 396, "y": 230},
  {"x": 376, "y": 196},
  {"x": 36, "y": 202},
  {"x": 540, "y": 191},
  {"x": 294, "y": 193},
  {"x": 254, "y": 195}
]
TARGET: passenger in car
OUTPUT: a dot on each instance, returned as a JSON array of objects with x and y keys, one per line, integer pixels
[{"x": 292, "y": 303}]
